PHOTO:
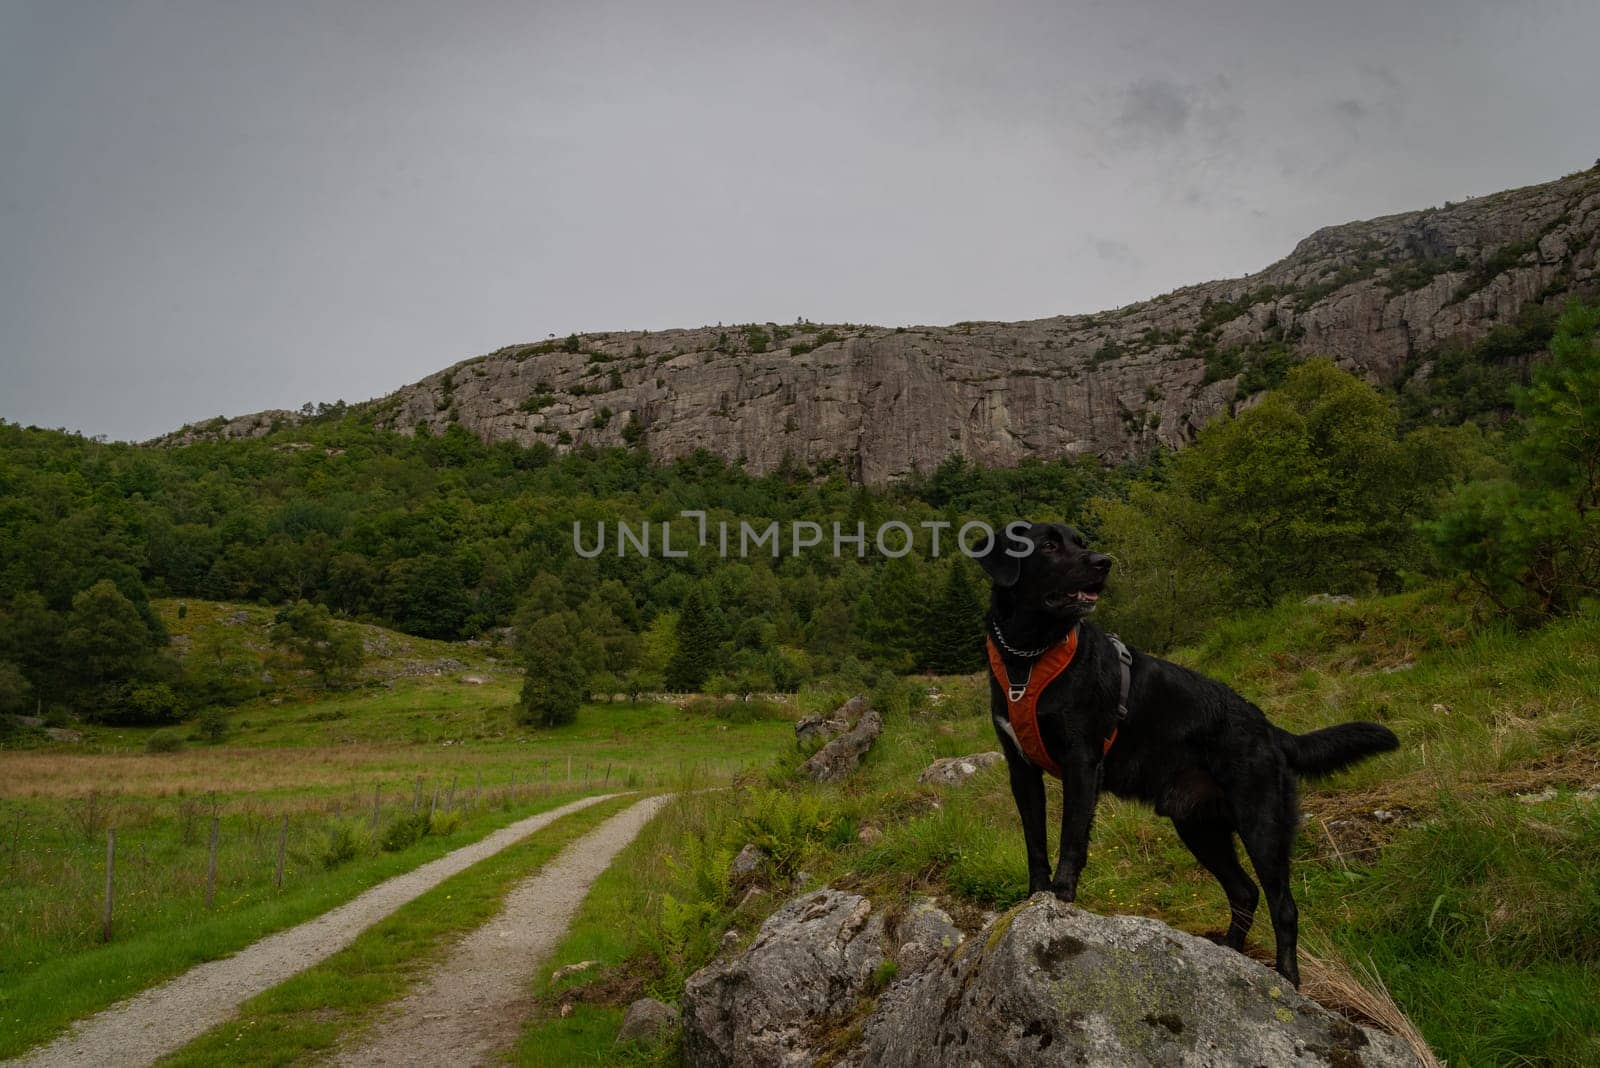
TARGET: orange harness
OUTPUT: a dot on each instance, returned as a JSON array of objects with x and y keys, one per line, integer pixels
[{"x": 1022, "y": 702}]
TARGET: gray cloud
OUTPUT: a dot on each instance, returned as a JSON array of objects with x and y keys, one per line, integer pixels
[
  {"x": 212, "y": 208},
  {"x": 1156, "y": 108}
]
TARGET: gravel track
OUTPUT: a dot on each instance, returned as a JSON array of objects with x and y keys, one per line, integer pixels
[
  {"x": 471, "y": 1006},
  {"x": 165, "y": 1018}
]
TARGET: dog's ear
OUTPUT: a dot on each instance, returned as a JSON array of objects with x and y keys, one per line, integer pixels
[{"x": 1003, "y": 567}]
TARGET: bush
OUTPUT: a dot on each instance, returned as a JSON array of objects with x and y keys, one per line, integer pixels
[
  {"x": 444, "y": 823},
  {"x": 163, "y": 742},
  {"x": 345, "y": 842},
  {"x": 404, "y": 833},
  {"x": 213, "y": 725}
]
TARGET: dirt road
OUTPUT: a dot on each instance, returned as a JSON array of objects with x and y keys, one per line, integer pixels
[
  {"x": 472, "y": 1005},
  {"x": 167, "y": 1017}
]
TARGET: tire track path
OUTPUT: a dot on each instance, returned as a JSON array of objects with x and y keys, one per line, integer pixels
[
  {"x": 471, "y": 1006},
  {"x": 165, "y": 1018}
]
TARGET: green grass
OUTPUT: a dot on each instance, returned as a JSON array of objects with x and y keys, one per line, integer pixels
[
  {"x": 53, "y": 973},
  {"x": 333, "y": 1001},
  {"x": 313, "y": 757},
  {"x": 1479, "y": 910}
]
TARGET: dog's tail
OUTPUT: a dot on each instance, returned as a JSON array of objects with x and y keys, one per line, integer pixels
[{"x": 1331, "y": 749}]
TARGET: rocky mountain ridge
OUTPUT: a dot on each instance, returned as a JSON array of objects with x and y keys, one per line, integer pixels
[{"x": 1383, "y": 297}]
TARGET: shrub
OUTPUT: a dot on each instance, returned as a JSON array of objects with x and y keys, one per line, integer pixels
[
  {"x": 404, "y": 832},
  {"x": 443, "y": 824},
  {"x": 213, "y": 725},
  {"x": 345, "y": 842},
  {"x": 163, "y": 742}
]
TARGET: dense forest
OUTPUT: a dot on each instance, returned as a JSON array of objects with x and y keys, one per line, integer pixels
[{"x": 1324, "y": 485}]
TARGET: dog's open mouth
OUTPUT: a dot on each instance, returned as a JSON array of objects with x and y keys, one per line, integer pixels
[{"x": 1084, "y": 599}]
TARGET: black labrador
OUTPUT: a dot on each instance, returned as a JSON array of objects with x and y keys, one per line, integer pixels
[{"x": 1198, "y": 752}]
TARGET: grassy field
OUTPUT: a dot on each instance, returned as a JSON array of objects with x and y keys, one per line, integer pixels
[
  {"x": 1464, "y": 869},
  {"x": 414, "y": 735}
]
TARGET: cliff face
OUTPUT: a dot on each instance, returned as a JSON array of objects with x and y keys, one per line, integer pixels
[{"x": 1378, "y": 296}]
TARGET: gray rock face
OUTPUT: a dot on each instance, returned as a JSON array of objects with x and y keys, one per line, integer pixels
[
  {"x": 825, "y": 725},
  {"x": 647, "y": 1020},
  {"x": 953, "y": 771},
  {"x": 1373, "y": 295},
  {"x": 925, "y": 934},
  {"x": 811, "y": 961},
  {"x": 840, "y": 757},
  {"x": 1051, "y": 984}
]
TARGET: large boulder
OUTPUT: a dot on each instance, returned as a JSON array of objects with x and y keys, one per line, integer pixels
[
  {"x": 1050, "y": 984},
  {"x": 811, "y": 961},
  {"x": 825, "y": 725},
  {"x": 953, "y": 771},
  {"x": 840, "y": 757}
]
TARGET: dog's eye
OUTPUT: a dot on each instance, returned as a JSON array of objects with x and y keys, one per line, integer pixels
[{"x": 1049, "y": 546}]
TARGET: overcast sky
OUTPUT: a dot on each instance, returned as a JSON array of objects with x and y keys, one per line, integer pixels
[{"x": 219, "y": 207}]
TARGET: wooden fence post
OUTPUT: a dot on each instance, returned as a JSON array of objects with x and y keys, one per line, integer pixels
[
  {"x": 477, "y": 790},
  {"x": 211, "y": 865},
  {"x": 111, "y": 867},
  {"x": 450, "y": 798},
  {"x": 416, "y": 796},
  {"x": 433, "y": 805},
  {"x": 283, "y": 840},
  {"x": 608, "y": 777}
]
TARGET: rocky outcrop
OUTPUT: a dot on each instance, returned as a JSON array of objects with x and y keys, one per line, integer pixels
[
  {"x": 1377, "y": 296},
  {"x": 1046, "y": 984},
  {"x": 953, "y": 771},
  {"x": 1051, "y": 984},
  {"x": 811, "y": 961},
  {"x": 824, "y": 725},
  {"x": 842, "y": 755}
]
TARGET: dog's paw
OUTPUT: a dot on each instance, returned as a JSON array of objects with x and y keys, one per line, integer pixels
[{"x": 1065, "y": 894}]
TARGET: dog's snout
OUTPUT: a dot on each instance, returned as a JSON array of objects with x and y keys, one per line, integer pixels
[{"x": 1100, "y": 562}]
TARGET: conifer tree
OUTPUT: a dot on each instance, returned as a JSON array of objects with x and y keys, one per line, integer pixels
[{"x": 954, "y": 635}]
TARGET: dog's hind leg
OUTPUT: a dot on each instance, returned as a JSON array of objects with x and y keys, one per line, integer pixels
[
  {"x": 1211, "y": 842},
  {"x": 1267, "y": 841}
]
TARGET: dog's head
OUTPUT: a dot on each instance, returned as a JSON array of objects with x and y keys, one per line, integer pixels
[{"x": 1046, "y": 568}]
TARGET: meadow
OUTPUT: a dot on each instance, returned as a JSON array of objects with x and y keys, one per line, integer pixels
[
  {"x": 1462, "y": 872},
  {"x": 360, "y": 784}
]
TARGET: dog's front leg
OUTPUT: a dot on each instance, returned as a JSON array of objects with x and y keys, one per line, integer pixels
[
  {"x": 1080, "y": 788},
  {"x": 1027, "y": 787}
]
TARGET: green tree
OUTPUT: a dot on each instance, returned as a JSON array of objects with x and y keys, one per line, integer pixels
[
  {"x": 696, "y": 654},
  {"x": 333, "y": 654},
  {"x": 1164, "y": 590},
  {"x": 553, "y": 680},
  {"x": 30, "y": 636},
  {"x": 1531, "y": 542},
  {"x": 15, "y": 692},
  {"x": 1310, "y": 490},
  {"x": 953, "y": 642},
  {"x": 107, "y": 640}
]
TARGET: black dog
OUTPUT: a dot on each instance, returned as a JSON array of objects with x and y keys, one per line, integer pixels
[{"x": 1190, "y": 746}]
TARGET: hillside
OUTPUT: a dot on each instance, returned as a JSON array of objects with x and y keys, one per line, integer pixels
[
  {"x": 1416, "y": 301},
  {"x": 1462, "y": 870}
]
